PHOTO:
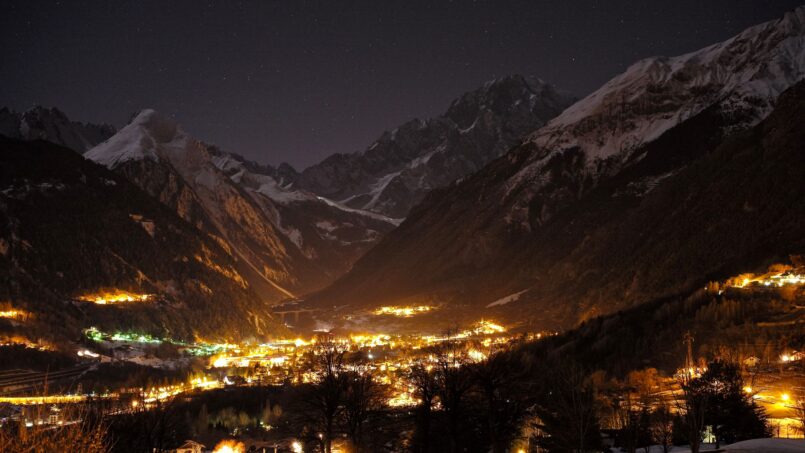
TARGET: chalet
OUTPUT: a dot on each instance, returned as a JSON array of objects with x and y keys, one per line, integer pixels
[{"x": 189, "y": 446}]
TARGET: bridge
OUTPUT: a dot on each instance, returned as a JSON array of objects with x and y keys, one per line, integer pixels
[{"x": 284, "y": 315}]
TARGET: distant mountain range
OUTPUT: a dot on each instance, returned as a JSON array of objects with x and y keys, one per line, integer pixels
[
  {"x": 284, "y": 229},
  {"x": 51, "y": 124},
  {"x": 646, "y": 188},
  {"x": 399, "y": 168}
]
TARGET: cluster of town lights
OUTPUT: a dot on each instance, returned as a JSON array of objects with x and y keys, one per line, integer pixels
[
  {"x": 402, "y": 312},
  {"x": 116, "y": 297},
  {"x": 229, "y": 446},
  {"x": 278, "y": 361},
  {"x": 12, "y": 313},
  {"x": 778, "y": 276},
  {"x": 16, "y": 340},
  {"x": 163, "y": 393}
]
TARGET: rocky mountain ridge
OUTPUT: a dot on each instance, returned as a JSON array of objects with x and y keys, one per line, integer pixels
[
  {"x": 51, "y": 124},
  {"x": 396, "y": 171},
  {"x": 286, "y": 242}
]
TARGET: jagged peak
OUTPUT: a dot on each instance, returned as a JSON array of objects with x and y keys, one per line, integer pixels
[
  {"x": 496, "y": 86},
  {"x": 513, "y": 79},
  {"x": 504, "y": 94},
  {"x": 286, "y": 167},
  {"x": 162, "y": 127},
  {"x": 41, "y": 111},
  {"x": 138, "y": 140},
  {"x": 52, "y": 124},
  {"x": 465, "y": 108},
  {"x": 794, "y": 20}
]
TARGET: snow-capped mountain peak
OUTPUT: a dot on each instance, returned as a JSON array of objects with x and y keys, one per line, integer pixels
[
  {"x": 744, "y": 74},
  {"x": 140, "y": 139},
  {"x": 741, "y": 77}
]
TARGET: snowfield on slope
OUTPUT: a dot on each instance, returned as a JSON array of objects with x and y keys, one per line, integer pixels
[{"x": 653, "y": 95}]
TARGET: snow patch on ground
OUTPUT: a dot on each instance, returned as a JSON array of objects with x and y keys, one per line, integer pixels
[
  {"x": 270, "y": 188},
  {"x": 773, "y": 445},
  {"x": 225, "y": 162},
  {"x": 142, "y": 355},
  {"x": 207, "y": 178},
  {"x": 471, "y": 126},
  {"x": 505, "y": 300},
  {"x": 378, "y": 187},
  {"x": 767, "y": 446},
  {"x": 295, "y": 236},
  {"x": 326, "y": 225},
  {"x": 643, "y": 186},
  {"x": 395, "y": 222},
  {"x": 422, "y": 160}
]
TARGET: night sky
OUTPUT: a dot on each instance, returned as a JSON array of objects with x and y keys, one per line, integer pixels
[{"x": 296, "y": 81}]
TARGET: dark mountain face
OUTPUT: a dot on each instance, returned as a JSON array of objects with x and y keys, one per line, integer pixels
[
  {"x": 617, "y": 201},
  {"x": 396, "y": 172},
  {"x": 70, "y": 229},
  {"x": 51, "y": 124}
]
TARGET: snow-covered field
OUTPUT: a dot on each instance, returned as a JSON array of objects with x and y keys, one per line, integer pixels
[
  {"x": 747, "y": 446},
  {"x": 767, "y": 445}
]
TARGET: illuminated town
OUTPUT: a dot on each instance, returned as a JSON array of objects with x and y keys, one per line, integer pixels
[
  {"x": 280, "y": 361},
  {"x": 778, "y": 276},
  {"x": 391, "y": 359},
  {"x": 388, "y": 357},
  {"x": 116, "y": 297},
  {"x": 777, "y": 386},
  {"x": 403, "y": 312}
]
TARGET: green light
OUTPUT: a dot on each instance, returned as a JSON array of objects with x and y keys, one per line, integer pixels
[{"x": 197, "y": 349}]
